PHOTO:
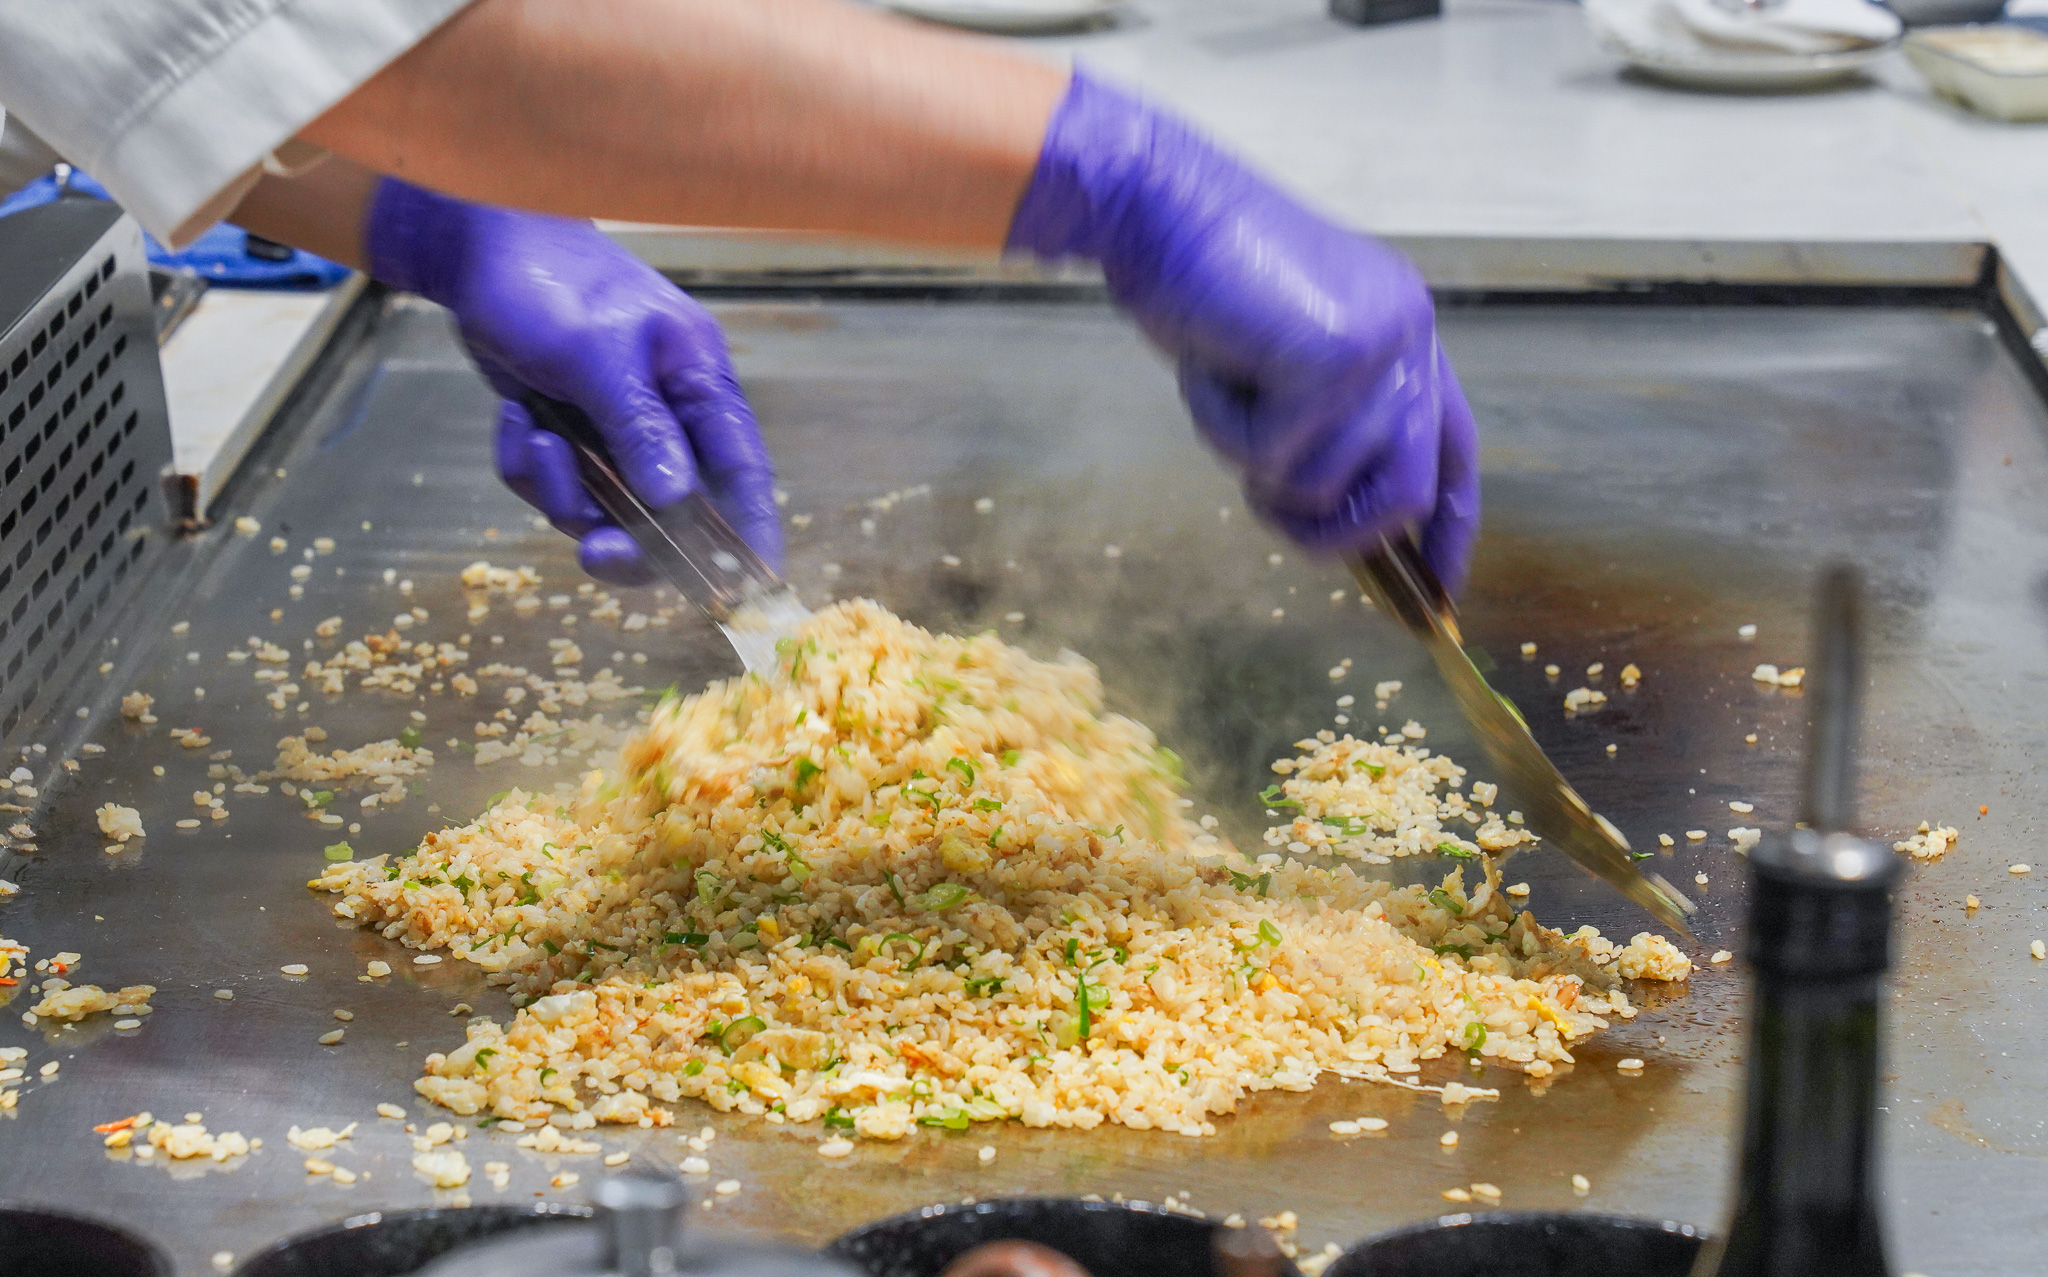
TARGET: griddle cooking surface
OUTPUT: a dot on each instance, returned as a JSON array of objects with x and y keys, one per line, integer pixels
[{"x": 1655, "y": 479}]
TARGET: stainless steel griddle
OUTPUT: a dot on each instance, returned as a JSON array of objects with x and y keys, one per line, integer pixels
[{"x": 1657, "y": 476}]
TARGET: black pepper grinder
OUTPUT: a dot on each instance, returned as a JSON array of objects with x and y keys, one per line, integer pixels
[{"x": 1819, "y": 944}]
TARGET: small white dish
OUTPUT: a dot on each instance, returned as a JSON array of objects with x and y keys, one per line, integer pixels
[
  {"x": 1999, "y": 71},
  {"x": 1010, "y": 17}
]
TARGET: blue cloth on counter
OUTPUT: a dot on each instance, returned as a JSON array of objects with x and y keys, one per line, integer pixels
[{"x": 220, "y": 255}]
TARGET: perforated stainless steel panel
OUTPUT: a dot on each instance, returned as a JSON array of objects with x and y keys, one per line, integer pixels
[{"x": 84, "y": 442}]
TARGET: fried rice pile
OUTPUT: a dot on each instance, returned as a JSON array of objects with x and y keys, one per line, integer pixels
[{"x": 916, "y": 878}]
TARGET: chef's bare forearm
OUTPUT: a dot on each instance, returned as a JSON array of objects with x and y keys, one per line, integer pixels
[
  {"x": 320, "y": 211},
  {"x": 791, "y": 114}
]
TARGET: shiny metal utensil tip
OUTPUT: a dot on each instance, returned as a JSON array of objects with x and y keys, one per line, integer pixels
[
  {"x": 689, "y": 543},
  {"x": 1403, "y": 587}
]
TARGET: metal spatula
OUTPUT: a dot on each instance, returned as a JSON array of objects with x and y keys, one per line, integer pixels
[
  {"x": 690, "y": 544},
  {"x": 1403, "y": 587}
]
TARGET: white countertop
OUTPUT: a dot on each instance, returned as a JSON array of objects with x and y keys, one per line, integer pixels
[
  {"x": 1505, "y": 119},
  {"x": 1502, "y": 120}
]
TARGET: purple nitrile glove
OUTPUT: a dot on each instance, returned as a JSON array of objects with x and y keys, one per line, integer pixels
[
  {"x": 1307, "y": 353},
  {"x": 549, "y": 304}
]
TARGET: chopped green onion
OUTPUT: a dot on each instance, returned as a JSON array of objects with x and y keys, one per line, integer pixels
[
  {"x": 944, "y": 896},
  {"x": 953, "y": 1120},
  {"x": 409, "y": 738},
  {"x": 839, "y": 1117},
  {"x": 964, "y": 768},
  {"x": 1443, "y": 900},
  {"x": 1373, "y": 770},
  {"x": 1010, "y": 757},
  {"x": 1273, "y": 796},
  {"x": 916, "y": 944},
  {"x": 987, "y": 804},
  {"x": 339, "y": 851},
  {"x": 799, "y": 868},
  {"x": 483, "y": 1058},
  {"x": 1268, "y": 932},
  {"x": 1454, "y": 851},
  {"x": 1475, "y": 1036},
  {"x": 735, "y": 1035},
  {"x": 1087, "y": 998},
  {"x": 693, "y": 1068},
  {"x": 1246, "y": 882},
  {"x": 691, "y": 938}
]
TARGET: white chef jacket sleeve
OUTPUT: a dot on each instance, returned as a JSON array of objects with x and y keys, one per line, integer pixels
[
  {"x": 24, "y": 157},
  {"x": 175, "y": 104}
]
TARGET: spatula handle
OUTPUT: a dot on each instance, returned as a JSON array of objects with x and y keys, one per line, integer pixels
[
  {"x": 1402, "y": 586},
  {"x": 689, "y": 543}
]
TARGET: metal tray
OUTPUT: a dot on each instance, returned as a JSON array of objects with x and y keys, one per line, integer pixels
[{"x": 1657, "y": 476}]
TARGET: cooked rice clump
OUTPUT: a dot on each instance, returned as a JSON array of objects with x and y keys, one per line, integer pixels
[
  {"x": 916, "y": 878},
  {"x": 1371, "y": 801},
  {"x": 118, "y": 822}
]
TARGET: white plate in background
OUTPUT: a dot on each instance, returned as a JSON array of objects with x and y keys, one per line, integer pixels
[
  {"x": 1653, "y": 41},
  {"x": 1010, "y": 17},
  {"x": 1757, "y": 73}
]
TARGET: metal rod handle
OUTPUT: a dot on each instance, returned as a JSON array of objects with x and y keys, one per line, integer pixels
[{"x": 1835, "y": 686}]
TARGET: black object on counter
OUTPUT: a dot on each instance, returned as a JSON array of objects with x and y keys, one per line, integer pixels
[
  {"x": 266, "y": 250},
  {"x": 1109, "y": 1239},
  {"x": 1944, "y": 13},
  {"x": 398, "y": 1242},
  {"x": 1526, "y": 1244},
  {"x": 51, "y": 1243},
  {"x": 1819, "y": 942},
  {"x": 638, "y": 1231},
  {"x": 1372, "y": 13}
]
